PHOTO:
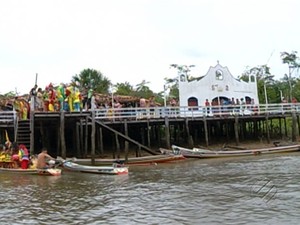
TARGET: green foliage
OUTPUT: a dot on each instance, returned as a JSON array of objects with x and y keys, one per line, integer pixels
[
  {"x": 290, "y": 58},
  {"x": 10, "y": 94},
  {"x": 142, "y": 90},
  {"x": 92, "y": 79},
  {"x": 124, "y": 89}
]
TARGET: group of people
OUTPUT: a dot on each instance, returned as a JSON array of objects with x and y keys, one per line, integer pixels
[
  {"x": 17, "y": 156},
  {"x": 64, "y": 97}
]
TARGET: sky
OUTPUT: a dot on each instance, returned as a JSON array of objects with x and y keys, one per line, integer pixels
[{"x": 136, "y": 40}]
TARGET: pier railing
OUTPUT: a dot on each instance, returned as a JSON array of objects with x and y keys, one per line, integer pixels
[
  {"x": 196, "y": 111},
  {"x": 7, "y": 116},
  {"x": 179, "y": 112}
]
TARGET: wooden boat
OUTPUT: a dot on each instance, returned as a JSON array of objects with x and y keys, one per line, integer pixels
[
  {"x": 143, "y": 160},
  {"x": 43, "y": 172},
  {"x": 205, "y": 153},
  {"x": 115, "y": 169}
]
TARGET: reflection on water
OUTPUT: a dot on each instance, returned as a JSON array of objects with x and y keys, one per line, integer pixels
[{"x": 251, "y": 190}]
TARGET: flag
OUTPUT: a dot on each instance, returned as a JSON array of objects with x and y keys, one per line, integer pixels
[{"x": 6, "y": 137}]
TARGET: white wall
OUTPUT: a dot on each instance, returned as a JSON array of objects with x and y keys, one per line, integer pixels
[{"x": 202, "y": 89}]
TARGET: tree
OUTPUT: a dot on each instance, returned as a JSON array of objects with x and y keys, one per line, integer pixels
[
  {"x": 292, "y": 60},
  {"x": 143, "y": 90},
  {"x": 184, "y": 69},
  {"x": 92, "y": 79},
  {"x": 264, "y": 78},
  {"x": 124, "y": 88}
]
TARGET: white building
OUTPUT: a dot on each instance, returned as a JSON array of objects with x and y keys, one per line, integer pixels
[{"x": 218, "y": 86}]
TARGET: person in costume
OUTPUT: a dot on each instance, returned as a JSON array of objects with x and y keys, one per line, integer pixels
[
  {"x": 51, "y": 97},
  {"x": 60, "y": 95},
  {"x": 77, "y": 100},
  {"x": 70, "y": 97},
  {"x": 23, "y": 156}
]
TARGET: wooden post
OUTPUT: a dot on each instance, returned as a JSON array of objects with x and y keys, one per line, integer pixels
[
  {"x": 31, "y": 132},
  {"x": 126, "y": 142},
  {"x": 268, "y": 128},
  {"x": 78, "y": 139},
  {"x": 117, "y": 145},
  {"x": 189, "y": 136},
  {"x": 81, "y": 138},
  {"x": 101, "y": 141},
  {"x": 93, "y": 150},
  {"x": 167, "y": 133},
  {"x": 86, "y": 133},
  {"x": 205, "y": 131},
  {"x": 298, "y": 121},
  {"x": 62, "y": 135},
  {"x": 236, "y": 130},
  {"x": 294, "y": 126},
  {"x": 285, "y": 127},
  {"x": 148, "y": 134}
]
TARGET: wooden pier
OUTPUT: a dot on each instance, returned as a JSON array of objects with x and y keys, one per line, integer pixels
[{"x": 144, "y": 130}]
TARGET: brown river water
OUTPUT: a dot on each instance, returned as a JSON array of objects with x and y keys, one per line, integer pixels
[{"x": 251, "y": 190}]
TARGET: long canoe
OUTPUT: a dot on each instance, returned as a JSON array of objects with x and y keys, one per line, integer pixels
[
  {"x": 205, "y": 153},
  {"x": 43, "y": 172},
  {"x": 143, "y": 160},
  {"x": 115, "y": 169}
]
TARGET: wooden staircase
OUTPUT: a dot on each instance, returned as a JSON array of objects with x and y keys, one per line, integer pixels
[{"x": 23, "y": 133}]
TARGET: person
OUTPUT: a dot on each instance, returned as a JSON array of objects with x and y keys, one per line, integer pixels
[
  {"x": 2, "y": 154},
  {"x": 43, "y": 159},
  {"x": 15, "y": 155},
  {"x": 23, "y": 156},
  {"x": 207, "y": 107},
  {"x": 40, "y": 100}
]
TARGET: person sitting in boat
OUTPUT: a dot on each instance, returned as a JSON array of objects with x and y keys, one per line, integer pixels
[
  {"x": 33, "y": 162},
  {"x": 2, "y": 154},
  {"x": 15, "y": 155},
  {"x": 44, "y": 160},
  {"x": 23, "y": 156}
]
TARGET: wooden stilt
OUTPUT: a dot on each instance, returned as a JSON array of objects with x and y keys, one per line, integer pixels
[
  {"x": 93, "y": 150},
  {"x": 236, "y": 130},
  {"x": 62, "y": 133},
  {"x": 167, "y": 133}
]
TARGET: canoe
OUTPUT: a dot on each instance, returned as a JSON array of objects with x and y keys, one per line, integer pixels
[
  {"x": 43, "y": 172},
  {"x": 205, "y": 153},
  {"x": 143, "y": 160},
  {"x": 115, "y": 169},
  {"x": 20, "y": 171}
]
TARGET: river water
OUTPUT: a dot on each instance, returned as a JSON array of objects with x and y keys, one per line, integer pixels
[{"x": 251, "y": 190}]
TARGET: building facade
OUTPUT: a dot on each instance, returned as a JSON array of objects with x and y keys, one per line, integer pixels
[{"x": 217, "y": 87}]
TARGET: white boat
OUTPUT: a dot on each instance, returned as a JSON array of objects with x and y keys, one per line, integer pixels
[{"x": 115, "y": 169}]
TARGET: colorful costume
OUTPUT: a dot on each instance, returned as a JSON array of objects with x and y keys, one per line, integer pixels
[{"x": 23, "y": 156}]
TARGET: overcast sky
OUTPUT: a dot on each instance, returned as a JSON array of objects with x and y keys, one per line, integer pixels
[{"x": 135, "y": 40}]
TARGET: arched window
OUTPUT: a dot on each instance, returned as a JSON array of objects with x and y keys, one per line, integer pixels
[
  {"x": 252, "y": 78},
  {"x": 192, "y": 101},
  {"x": 219, "y": 75}
]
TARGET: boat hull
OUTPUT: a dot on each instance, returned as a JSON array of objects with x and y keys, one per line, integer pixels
[
  {"x": 115, "y": 169},
  {"x": 138, "y": 161},
  {"x": 42, "y": 172},
  {"x": 204, "y": 153}
]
